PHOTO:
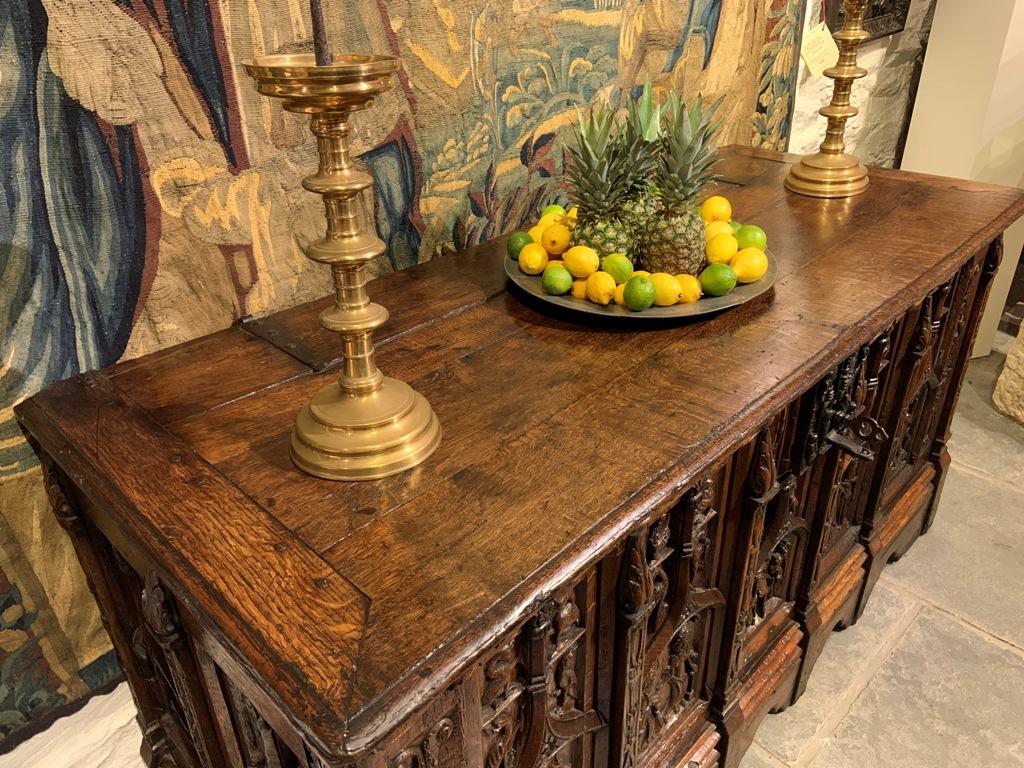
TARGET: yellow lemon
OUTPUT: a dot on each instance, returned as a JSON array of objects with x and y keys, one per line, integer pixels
[
  {"x": 548, "y": 219},
  {"x": 722, "y": 248},
  {"x": 690, "y": 288},
  {"x": 601, "y": 288},
  {"x": 533, "y": 258},
  {"x": 716, "y": 228},
  {"x": 750, "y": 264},
  {"x": 579, "y": 289},
  {"x": 556, "y": 263},
  {"x": 581, "y": 260},
  {"x": 716, "y": 208},
  {"x": 619, "y": 290},
  {"x": 666, "y": 289},
  {"x": 536, "y": 233},
  {"x": 555, "y": 239},
  {"x": 641, "y": 273}
]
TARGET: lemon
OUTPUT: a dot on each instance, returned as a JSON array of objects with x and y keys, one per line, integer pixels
[
  {"x": 716, "y": 208},
  {"x": 690, "y": 289},
  {"x": 666, "y": 289},
  {"x": 556, "y": 263},
  {"x": 601, "y": 288},
  {"x": 536, "y": 233},
  {"x": 722, "y": 248},
  {"x": 533, "y": 258},
  {"x": 555, "y": 239},
  {"x": 620, "y": 297},
  {"x": 548, "y": 219},
  {"x": 581, "y": 260},
  {"x": 579, "y": 289},
  {"x": 716, "y": 228},
  {"x": 641, "y": 273},
  {"x": 750, "y": 264},
  {"x": 618, "y": 266}
]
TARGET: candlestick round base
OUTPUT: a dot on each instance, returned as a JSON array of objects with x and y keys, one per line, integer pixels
[
  {"x": 340, "y": 436},
  {"x": 826, "y": 175}
]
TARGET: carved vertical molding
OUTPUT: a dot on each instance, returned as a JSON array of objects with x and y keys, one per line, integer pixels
[
  {"x": 502, "y": 717},
  {"x": 762, "y": 486},
  {"x": 101, "y": 578},
  {"x": 163, "y": 625},
  {"x": 637, "y": 601}
]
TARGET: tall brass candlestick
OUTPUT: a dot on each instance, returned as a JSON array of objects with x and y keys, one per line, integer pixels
[
  {"x": 363, "y": 425},
  {"x": 831, "y": 172}
]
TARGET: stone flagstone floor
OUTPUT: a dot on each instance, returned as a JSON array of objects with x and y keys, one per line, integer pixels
[{"x": 931, "y": 676}]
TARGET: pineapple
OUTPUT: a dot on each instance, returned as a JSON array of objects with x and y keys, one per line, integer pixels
[
  {"x": 643, "y": 130},
  {"x": 600, "y": 175},
  {"x": 675, "y": 237}
]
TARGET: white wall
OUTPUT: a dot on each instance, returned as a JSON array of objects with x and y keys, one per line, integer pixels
[{"x": 968, "y": 120}]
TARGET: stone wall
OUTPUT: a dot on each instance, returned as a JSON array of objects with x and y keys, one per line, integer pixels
[
  {"x": 1009, "y": 393},
  {"x": 882, "y": 96}
]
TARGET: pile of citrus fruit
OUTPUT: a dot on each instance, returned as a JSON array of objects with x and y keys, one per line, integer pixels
[{"x": 735, "y": 254}]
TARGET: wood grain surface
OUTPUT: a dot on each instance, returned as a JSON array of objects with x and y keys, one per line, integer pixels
[{"x": 357, "y": 602}]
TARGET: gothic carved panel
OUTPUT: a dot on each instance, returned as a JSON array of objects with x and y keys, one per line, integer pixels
[
  {"x": 665, "y": 615},
  {"x": 774, "y": 539}
]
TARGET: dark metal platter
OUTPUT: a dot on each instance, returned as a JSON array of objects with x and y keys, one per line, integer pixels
[{"x": 741, "y": 294}]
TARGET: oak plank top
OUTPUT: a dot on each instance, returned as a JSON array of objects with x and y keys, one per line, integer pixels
[{"x": 355, "y": 602}]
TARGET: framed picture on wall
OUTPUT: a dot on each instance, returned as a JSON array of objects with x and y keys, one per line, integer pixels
[{"x": 883, "y": 17}]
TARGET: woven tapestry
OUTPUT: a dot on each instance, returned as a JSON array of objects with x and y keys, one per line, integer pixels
[{"x": 152, "y": 196}]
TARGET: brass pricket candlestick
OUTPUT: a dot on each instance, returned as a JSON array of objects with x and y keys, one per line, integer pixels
[
  {"x": 831, "y": 172},
  {"x": 363, "y": 425}
]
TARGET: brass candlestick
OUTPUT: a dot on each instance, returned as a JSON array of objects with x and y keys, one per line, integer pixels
[
  {"x": 363, "y": 425},
  {"x": 831, "y": 172}
]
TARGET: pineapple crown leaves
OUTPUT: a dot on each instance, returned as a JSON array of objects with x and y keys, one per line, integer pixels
[
  {"x": 688, "y": 152},
  {"x": 601, "y": 171},
  {"x": 641, "y": 139}
]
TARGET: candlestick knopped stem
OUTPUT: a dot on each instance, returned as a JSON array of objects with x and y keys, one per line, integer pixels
[
  {"x": 831, "y": 172},
  {"x": 363, "y": 425}
]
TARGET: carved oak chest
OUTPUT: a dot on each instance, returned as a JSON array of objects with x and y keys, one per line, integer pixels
[{"x": 630, "y": 547}]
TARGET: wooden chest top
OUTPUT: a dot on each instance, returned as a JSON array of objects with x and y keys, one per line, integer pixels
[{"x": 355, "y": 602}]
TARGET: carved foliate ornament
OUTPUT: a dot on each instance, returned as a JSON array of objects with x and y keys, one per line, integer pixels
[
  {"x": 503, "y": 715},
  {"x": 425, "y": 754}
]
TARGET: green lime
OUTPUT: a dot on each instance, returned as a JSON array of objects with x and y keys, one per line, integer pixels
[
  {"x": 717, "y": 279},
  {"x": 751, "y": 236},
  {"x": 556, "y": 280},
  {"x": 515, "y": 243},
  {"x": 555, "y": 209},
  {"x": 736, "y": 225},
  {"x": 638, "y": 294},
  {"x": 618, "y": 266}
]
